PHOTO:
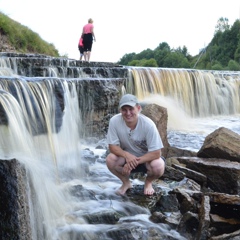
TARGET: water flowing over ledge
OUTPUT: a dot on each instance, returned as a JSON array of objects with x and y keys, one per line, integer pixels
[{"x": 49, "y": 106}]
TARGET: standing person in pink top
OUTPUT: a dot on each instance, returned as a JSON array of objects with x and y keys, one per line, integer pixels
[{"x": 88, "y": 37}]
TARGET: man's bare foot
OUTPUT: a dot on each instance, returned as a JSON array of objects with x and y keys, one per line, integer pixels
[
  {"x": 148, "y": 189},
  {"x": 122, "y": 190}
]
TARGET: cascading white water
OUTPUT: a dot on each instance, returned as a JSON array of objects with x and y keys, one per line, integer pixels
[
  {"x": 197, "y": 93},
  {"x": 48, "y": 157},
  {"x": 52, "y": 156}
]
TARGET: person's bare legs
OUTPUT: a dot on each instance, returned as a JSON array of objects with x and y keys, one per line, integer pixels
[
  {"x": 85, "y": 56},
  {"x": 155, "y": 170},
  {"x": 89, "y": 55},
  {"x": 115, "y": 165}
]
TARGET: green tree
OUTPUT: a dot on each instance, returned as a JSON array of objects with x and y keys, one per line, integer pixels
[
  {"x": 134, "y": 63},
  {"x": 224, "y": 44},
  {"x": 147, "y": 54},
  {"x": 160, "y": 55},
  {"x": 233, "y": 65},
  {"x": 176, "y": 60},
  {"x": 127, "y": 58},
  {"x": 149, "y": 63},
  {"x": 222, "y": 25},
  {"x": 217, "y": 66},
  {"x": 163, "y": 46}
]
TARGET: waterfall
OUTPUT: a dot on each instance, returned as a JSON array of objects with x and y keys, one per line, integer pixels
[
  {"x": 198, "y": 93},
  {"x": 49, "y": 154},
  {"x": 47, "y": 104}
]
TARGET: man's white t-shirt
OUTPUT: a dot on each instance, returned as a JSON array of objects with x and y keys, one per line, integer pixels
[{"x": 144, "y": 138}]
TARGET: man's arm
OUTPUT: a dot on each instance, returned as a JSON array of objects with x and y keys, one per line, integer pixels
[
  {"x": 115, "y": 149},
  {"x": 149, "y": 156},
  {"x": 118, "y": 151}
]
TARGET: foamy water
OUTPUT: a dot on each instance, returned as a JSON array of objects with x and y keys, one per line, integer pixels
[{"x": 192, "y": 137}]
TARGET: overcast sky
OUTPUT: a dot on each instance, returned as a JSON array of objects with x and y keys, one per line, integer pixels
[{"x": 124, "y": 26}]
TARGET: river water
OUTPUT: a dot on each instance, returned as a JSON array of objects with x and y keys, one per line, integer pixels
[{"x": 193, "y": 137}]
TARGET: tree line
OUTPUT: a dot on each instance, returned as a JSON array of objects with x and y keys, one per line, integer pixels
[{"x": 222, "y": 53}]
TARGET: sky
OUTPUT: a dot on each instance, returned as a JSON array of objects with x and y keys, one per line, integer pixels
[{"x": 125, "y": 26}]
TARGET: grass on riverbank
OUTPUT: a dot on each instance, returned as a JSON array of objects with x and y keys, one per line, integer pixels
[{"x": 23, "y": 39}]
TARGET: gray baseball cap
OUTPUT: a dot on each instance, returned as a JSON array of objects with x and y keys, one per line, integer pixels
[{"x": 128, "y": 99}]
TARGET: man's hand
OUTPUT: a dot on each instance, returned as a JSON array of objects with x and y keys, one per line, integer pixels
[
  {"x": 126, "y": 169},
  {"x": 131, "y": 160}
]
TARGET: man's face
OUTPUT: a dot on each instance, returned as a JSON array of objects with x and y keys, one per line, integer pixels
[{"x": 130, "y": 114}]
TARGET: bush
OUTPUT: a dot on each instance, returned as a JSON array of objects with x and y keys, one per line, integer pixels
[{"x": 233, "y": 65}]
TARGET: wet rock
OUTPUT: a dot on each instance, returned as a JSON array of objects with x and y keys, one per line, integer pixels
[
  {"x": 176, "y": 152},
  {"x": 188, "y": 225},
  {"x": 224, "y": 225},
  {"x": 158, "y": 217},
  {"x": 222, "y": 175},
  {"x": 125, "y": 233},
  {"x": 14, "y": 205},
  {"x": 82, "y": 234},
  {"x": 167, "y": 203},
  {"x": 233, "y": 236},
  {"x": 81, "y": 193},
  {"x": 173, "y": 174},
  {"x": 196, "y": 176},
  {"x": 103, "y": 217},
  {"x": 187, "y": 200},
  {"x": 136, "y": 195},
  {"x": 88, "y": 156},
  {"x": 173, "y": 220},
  {"x": 224, "y": 198},
  {"x": 204, "y": 218}
]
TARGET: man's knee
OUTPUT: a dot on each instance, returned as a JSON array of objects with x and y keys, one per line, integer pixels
[
  {"x": 157, "y": 167},
  {"x": 109, "y": 159}
]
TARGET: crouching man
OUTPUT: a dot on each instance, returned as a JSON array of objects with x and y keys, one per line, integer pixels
[{"x": 135, "y": 145}]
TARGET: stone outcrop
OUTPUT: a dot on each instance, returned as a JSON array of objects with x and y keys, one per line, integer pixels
[
  {"x": 14, "y": 207},
  {"x": 222, "y": 143},
  {"x": 160, "y": 117},
  {"x": 212, "y": 207},
  {"x": 222, "y": 175},
  {"x": 39, "y": 65}
]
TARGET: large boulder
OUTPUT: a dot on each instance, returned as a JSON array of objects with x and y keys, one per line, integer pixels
[
  {"x": 222, "y": 143},
  {"x": 159, "y": 116}
]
